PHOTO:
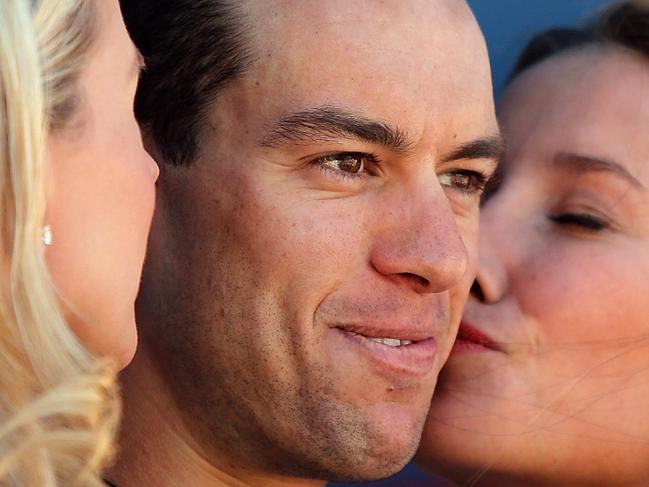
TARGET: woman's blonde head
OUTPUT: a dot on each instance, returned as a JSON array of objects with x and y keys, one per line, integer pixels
[{"x": 58, "y": 406}]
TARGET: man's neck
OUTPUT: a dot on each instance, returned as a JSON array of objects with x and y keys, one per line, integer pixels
[{"x": 156, "y": 448}]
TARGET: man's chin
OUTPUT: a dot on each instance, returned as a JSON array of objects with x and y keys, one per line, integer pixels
[
  {"x": 377, "y": 447},
  {"x": 385, "y": 465},
  {"x": 395, "y": 438}
]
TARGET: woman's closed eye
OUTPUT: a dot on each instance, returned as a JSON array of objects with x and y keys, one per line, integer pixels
[{"x": 583, "y": 221}]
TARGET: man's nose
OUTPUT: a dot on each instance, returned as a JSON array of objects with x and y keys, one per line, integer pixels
[{"x": 419, "y": 243}]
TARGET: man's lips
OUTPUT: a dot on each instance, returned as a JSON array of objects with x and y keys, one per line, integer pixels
[
  {"x": 399, "y": 332},
  {"x": 406, "y": 351},
  {"x": 470, "y": 339}
]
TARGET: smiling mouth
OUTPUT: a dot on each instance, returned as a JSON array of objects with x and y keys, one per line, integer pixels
[
  {"x": 399, "y": 351},
  {"x": 389, "y": 342}
]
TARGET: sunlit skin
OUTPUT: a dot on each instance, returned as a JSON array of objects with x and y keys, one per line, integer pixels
[
  {"x": 279, "y": 234},
  {"x": 100, "y": 195},
  {"x": 561, "y": 290}
]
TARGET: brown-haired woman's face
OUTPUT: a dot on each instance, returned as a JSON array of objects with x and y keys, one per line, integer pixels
[
  {"x": 100, "y": 195},
  {"x": 549, "y": 380}
]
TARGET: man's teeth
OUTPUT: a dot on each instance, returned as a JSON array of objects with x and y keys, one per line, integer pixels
[{"x": 390, "y": 342}]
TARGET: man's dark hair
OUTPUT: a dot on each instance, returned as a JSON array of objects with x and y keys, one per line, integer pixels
[
  {"x": 192, "y": 48},
  {"x": 624, "y": 24}
]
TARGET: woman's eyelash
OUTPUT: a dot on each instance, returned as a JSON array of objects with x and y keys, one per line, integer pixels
[{"x": 583, "y": 220}]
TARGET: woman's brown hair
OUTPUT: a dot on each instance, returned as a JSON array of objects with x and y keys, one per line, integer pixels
[{"x": 623, "y": 24}]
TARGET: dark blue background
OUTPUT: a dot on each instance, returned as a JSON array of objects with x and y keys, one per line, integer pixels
[{"x": 507, "y": 26}]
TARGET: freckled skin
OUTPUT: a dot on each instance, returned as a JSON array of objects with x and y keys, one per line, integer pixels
[{"x": 256, "y": 256}]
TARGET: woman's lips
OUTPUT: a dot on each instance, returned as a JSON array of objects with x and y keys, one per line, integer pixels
[{"x": 470, "y": 339}]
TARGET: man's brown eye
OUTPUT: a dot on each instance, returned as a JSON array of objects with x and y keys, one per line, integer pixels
[
  {"x": 349, "y": 163},
  {"x": 461, "y": 181},
  {"x": 467, "y": 181}
]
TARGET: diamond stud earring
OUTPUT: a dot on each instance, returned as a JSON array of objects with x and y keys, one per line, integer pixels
[{"x": 46, "y": 235}]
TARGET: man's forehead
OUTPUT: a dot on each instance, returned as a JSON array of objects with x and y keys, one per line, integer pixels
[
  {"x": 319, "y": 42},
  {"x": 341, "y": 9},
  {"x": 378, "y": 68},
  {"x": 350, "y": 20}
]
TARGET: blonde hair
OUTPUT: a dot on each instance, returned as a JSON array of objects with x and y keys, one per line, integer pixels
[{"x": 59, "y": 406}]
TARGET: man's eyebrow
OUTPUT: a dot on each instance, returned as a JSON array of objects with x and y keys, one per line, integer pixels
[
  {"x": 329, "y": 123},
  {"x": 492, "y": 147},
  {"x": 584, "y": 163}
]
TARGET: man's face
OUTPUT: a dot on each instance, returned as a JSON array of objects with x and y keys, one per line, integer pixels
[{"x": 334, "y": 204}]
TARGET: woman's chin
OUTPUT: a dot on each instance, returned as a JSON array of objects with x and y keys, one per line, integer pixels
[
  {"x": 114, "y": 336},
  {"x": 126, "y": 344}
]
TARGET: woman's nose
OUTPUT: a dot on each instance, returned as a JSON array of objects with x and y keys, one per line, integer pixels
[{"x": 491, "y": 282}]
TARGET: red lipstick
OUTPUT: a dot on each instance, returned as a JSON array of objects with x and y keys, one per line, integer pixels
[{"x": 470, "y": 339}]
